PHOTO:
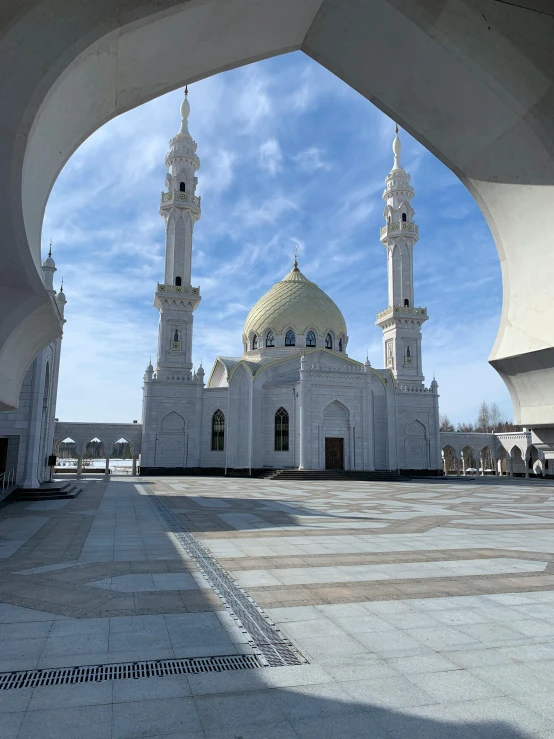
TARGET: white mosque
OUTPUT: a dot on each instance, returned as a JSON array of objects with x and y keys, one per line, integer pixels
[{"x": 294, "y": 398}]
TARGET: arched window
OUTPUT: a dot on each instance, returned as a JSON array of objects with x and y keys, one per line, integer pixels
[
  {"x": 290, "y": 338},
  {"x": 328, "y": 341},
  {"x": 281, "y": 431},
  {"x": 340, "y": 345},
  {"x": 218, "y": 431},
  {"x": 388, "y": 218},
  {"x": 408, "y": 352},
  {"x": 182, "y": 187},
  {"x": 254, "y": 342},
  {"x": 404, "y": 217},
  {"x": 406, "y": 303},
  {"x": 270, "y": 339},
  {"x": 310, "y": 338},
  {"x": 178, "y": 281},
  {"x": 176, "y": 335}
]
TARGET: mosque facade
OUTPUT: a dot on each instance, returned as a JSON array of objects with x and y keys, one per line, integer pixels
[
  {"x": 293, "y": 398},
  {"x": 27, "y": 433}
]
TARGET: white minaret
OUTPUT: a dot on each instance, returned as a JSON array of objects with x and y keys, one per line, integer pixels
[
  {"x": 401, "y": 321},
  {"x": 176, "y": 298}
]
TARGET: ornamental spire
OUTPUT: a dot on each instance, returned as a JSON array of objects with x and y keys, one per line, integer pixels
[
  {"x": 185, "y": 112},
  {"x": 396, "y": 149}
]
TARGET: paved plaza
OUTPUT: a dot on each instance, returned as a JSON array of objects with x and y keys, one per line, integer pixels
[{"x": 404, "y": 610}]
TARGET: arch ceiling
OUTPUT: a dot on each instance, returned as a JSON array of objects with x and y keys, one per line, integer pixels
[{"x": 477, "y": 92}]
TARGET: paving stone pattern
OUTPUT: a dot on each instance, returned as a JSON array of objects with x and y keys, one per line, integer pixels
[{"x": 425, "y": 609}]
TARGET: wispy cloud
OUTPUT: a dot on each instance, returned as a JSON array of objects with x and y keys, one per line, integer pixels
[
  {"x": 270, "y": 156},
  {"x": 311, "y": 159}
]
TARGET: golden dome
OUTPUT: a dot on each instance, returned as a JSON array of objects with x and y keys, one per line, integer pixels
[{"x": 295, "y": 302}]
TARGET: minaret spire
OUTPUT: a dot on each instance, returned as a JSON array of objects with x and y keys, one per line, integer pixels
[
  {"x": 396, "y": 149},
  {"x": 176, "y": 298},
  {"x": 401, "y": 321}
]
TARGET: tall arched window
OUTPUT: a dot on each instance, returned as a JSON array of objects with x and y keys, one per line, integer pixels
[
  {"x": 218, "y": 431},
  {"x": 290, "y": 338},
  {"x": 281, "y": 431},
  {"x": 404, "y": 217},
  {"x": 182, "y": 187},
  {"x": 310, "y": 338},
  {"x": 340, "y": 345},
  {"x": 254, "y": 342},
  {"x": 176, "y": 335},
  {"x": 406, "y": 303},
  {"x": 178, "y": 281},
  {"x": 270, "y": 339},
  {"x": 328, "y": 341}
]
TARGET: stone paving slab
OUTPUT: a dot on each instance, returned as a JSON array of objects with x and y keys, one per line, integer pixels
[{"x": 449, "y": 635}]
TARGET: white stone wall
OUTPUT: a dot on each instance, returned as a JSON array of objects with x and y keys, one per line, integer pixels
[
  {"x": 417, "y": 430},
  {"x": 163, "y": 398},
  {"x": 273, "y": 399},
  {"x": 30, "y": 428},
  {"x": 379, "y": 423},
  {"x": 213, "y": 400}
]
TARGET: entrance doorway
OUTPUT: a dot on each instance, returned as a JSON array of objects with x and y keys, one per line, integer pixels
[{"x": 334, "y": 453}]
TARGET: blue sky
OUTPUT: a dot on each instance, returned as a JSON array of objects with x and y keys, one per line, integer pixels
[{"x": 289, "y": 155}]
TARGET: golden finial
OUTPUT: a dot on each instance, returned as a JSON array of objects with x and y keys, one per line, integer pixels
[
  {"x": 50, "y": 250},
  {"x": 295, "y": 258},
  {"x": 186, "y": 90},
  {"x": 396, "y": 128}
]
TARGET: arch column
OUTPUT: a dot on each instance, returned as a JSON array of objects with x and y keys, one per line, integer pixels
[
  {"x": 107, "y": 468},
  {"x": 79, "y": 464},
  {"x": 134, "y": 471},
  {"x": 526, "y": 462},
  {"x": 510, "y": 466},
  {"x": 481, "y": 463},
  {"x": 457, "y": 461}
]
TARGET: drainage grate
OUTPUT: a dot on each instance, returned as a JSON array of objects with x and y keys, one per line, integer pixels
[
  {"x": 127, "y": 671},
  {"x": 274, "y": 649}
]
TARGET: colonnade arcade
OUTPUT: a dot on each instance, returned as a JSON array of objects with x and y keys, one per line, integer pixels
[
  {"x": 493, "y": 454},
  {"x": 109, "y": 434}
]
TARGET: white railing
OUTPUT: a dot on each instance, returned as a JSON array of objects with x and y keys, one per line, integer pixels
[
  {"x": 7, "y": 479},
  {"x": 413, "y": 389},
  {"x": 401, "y": 310},
  {"x": 178, "y": 196},
  {"x": 401, "y": 226},
  {"x": 162, "y": 288}
]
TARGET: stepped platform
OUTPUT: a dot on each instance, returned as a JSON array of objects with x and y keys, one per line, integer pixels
[
  {"x": 47, "y": 491},
  {"x": 346, "y": 475}
]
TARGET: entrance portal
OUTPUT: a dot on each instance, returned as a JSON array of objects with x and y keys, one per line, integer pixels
[{"x": 334, "y": 453}]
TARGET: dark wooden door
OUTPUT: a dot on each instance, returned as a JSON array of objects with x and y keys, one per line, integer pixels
[{"x": 334, "y": 453}]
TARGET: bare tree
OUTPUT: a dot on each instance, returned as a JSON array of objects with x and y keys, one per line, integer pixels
[
  {"x": 496, "y": 419},
  {"x": 445, "y": 423},
  {"x": 465, "y": 427},
  {"x": 483, "y": 418}
]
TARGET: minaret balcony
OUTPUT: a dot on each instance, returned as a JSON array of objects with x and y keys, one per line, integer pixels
[
  {"x": 182, "y": 289},
  {"x": 395, "y": 229},
  {"x": 176, "y": 197},
  {"x": 401, "y": 311}
]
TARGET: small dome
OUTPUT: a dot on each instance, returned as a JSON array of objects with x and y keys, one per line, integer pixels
[
  {"x": 295, "y": 302},
  {"x": 49, "y": 262}
]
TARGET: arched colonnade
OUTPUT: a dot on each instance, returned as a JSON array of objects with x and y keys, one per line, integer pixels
[
  {"x": 108, "y": 433},
  {"x": 480, "y": 454}
]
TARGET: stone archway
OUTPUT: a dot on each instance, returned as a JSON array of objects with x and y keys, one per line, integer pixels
[{"x": 486, "y": 75}]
